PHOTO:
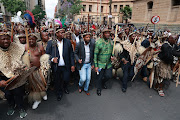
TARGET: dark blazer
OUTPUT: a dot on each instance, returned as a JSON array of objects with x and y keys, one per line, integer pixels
[
  {"x": 80, "y": 53},
  {"x": 68, "y": 54}
]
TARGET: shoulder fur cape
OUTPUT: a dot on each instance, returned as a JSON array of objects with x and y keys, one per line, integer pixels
[{"x": 11, "y": 59}]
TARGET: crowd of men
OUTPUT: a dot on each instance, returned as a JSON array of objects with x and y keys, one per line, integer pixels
[{"x": 61, "y": 55}]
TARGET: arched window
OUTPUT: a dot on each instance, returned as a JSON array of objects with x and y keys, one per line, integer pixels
[
  {"x": 150, "y": 5},
  {"x": 175, "y": 2}
]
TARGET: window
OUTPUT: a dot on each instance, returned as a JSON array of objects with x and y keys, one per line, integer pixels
[
  {"x": 175, "y": 2},
  {"x": 127, "y": 5},
  {"x": 90, "y": 8},
  {"x": 150, "y": 5},
  {"x": 115, "y": 8},
  {"x": 84, "y": 8},
  {"x": 121, "y": 7},
  {"x": 101, "y": 8}
]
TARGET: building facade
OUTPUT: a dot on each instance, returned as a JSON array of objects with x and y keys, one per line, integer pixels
[
  {"x": 99, "y": 10},
  {"x": 31, "y": 3},
  {"x": 168, "y": 10},
  {"x": 4, "y": 14}
]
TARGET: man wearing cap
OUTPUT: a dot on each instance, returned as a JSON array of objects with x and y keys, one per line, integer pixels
[
  {"x": 84, "y": 54},
  {"x": 22, "y": 38},
  {"x": 62, "y": 59},
  {"x": 10, "y": 57},
  {"x": 44, "y": 38},
  {"x": 102, "y": 60}
]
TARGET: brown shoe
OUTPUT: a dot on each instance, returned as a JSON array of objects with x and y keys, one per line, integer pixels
[{"x": 87, "y": 93}]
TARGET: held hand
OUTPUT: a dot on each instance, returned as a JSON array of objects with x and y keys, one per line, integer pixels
[
  {"x": 3, "y": 83},
  {"x": 55, "y": 60},
  {"x": 96, "y": 69},
  {"x": 92, "y": 67},
  {"x": 112, "y": 58},
  {"x": 80, "y": 61},
  {"x": 72, "y": 69},
  {"x": 124, "y": 61}
]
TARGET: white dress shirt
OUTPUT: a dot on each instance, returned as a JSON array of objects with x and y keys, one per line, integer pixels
[
  {"x": 60, "y": 48},
  {"x": 87, "y": 52},
  {"x": 77, "y": 39}
]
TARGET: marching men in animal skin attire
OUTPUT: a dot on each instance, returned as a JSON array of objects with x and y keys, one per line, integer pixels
[
  {"x": 11, "y": 59},
  {"x": 37, "y": 83},
  {"x": 164, "y": 62},
  {"x": 131, "y": 50}
]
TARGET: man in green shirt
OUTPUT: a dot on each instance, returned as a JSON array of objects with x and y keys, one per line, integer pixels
[{"x": 102, "y": 60}]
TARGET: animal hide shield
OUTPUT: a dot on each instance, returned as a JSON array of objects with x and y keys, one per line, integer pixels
[{"x": 141, "y": 61}]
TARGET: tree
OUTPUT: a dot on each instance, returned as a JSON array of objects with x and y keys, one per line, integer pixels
[
  {"x": 13, "y": 6},
  {"x": 38, "y": 12},
  {"x": 127, "y": 12},
  {"x": 70, "y": 8}
]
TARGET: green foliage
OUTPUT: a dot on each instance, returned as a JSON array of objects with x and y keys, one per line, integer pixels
[
  {"x": 76, "y": 7},
  {"x": 70, "y": 8},
  {"x": 127, "y": 13},
  {"x": 13, "y": 6},
  {"x": 38, "y": 12}
]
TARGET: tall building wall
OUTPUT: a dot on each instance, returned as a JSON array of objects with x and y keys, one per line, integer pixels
[{"x": 169, "y": 12}]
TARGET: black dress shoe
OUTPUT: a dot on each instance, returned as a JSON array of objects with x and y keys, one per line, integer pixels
[
  {"x": 123, "y": 90},
  {"x": 66, "y": 91},
  {"x": 104, "y": 86},
  {"x": 99, "y": 92},
  {"x": 59, "y": 97}
]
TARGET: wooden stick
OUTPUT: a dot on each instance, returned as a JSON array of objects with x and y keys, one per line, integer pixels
[
  {"x": 115, "y": 40},
  {"x": 88, "y": 22},
  {"x": 9, "y": 80},
  {"x": 12, "y": 31},
  {"x": 151, "y": 77},
  {"x": 27, "y": 40},
  {"x": 177, "y": 81}
]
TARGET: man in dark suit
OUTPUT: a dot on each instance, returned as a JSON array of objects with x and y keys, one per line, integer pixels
[
  {"x": 84, "y": 54},
  {"x": 62, "y": 59}
]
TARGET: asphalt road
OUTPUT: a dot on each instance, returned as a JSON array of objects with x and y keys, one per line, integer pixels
[{"x": 138, "y": 103}]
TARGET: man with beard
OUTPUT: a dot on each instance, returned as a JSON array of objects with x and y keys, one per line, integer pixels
[
  {"x": 10, "y": 57},
  {"x": 62, "y": 58},
  {"x": 84, "y": 54},
  {"x": 102, "y": 60}
]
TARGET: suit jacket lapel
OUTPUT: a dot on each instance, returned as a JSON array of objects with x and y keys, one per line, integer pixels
[{"x": 63, "y": 53}]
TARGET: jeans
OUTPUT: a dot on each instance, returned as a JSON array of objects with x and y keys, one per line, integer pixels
[
  {"x": 103, "y": 77},
  {"x": 85, "y": 76}
]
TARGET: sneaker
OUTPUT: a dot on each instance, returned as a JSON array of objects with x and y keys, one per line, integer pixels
[
  {"x": 45, "y": 97},
  {"x": 10, "y": 111},
  {"x": 22, "y": 113},
  {"x": 36, "y": 104}
]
